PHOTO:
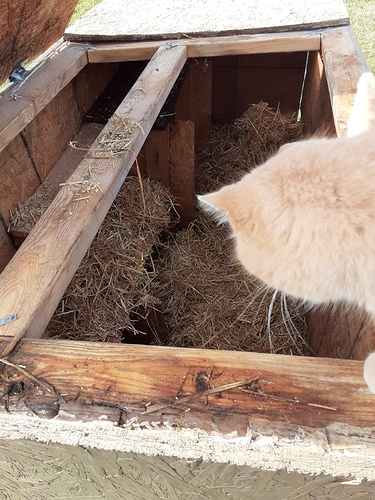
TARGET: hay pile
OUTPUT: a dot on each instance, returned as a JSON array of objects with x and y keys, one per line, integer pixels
[
  {"x": 208, "y": 300},
  {"x": 211, "y": 302},
  {"x": 238, "y": 147},
  {"x": 115, "y": 276}
]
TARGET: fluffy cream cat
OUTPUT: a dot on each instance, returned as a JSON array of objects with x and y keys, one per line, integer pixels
[{"x": 304, "y": 221}]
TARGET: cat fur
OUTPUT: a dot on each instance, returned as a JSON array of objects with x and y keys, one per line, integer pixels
[{"x": 304, "y": 221}]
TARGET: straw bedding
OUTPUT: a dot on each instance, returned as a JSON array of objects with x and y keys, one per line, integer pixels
[{"x": 133, "y": 264}]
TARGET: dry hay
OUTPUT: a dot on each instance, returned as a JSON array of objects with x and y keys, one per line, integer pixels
[
  {"x": 25, "y": 216},
  {"x": 115, "y": 275},
  {"x": 210, "y": 301},
  {"x": 240, "y": 146}
]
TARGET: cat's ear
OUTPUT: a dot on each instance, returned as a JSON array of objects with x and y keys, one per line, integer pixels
[
  {"x": 222, "y": 204},
  {"x": 362, "y": 117},
  {"x": 215, "y": 204},
  {"x": 369, "y": 372}
]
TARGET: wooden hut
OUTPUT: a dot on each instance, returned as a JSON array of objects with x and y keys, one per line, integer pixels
[{"x": 93, "y": 418}]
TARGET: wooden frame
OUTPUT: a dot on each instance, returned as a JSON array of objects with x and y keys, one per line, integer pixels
[{"x": 240, "y": 405}]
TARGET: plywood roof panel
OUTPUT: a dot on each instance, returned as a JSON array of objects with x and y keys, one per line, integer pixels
[{"x": 159, "y": 19}]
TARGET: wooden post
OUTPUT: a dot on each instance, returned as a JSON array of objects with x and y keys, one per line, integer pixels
[
  {"x": 316, "y": 106},
  {"x": 35, "y": 279},
  {"x": 344, "y": 64},
  {"x": 195, "y": 100},
  {"x": 156, "y": 150},
  {"x": 181, "y": 143}
]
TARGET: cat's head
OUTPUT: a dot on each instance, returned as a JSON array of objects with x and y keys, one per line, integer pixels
[
  {"x": 283, "y": 223},
  {"x": 256, "y": 211}
]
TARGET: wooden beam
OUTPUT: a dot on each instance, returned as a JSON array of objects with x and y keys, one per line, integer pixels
[
  {"x": 38, "y": 90},
  {"x": 316, "y": 106},
  {"x": 344, "y": 63},
  {"x": 156, "y": 150},
  {"x": 195, "y": 100},
  {"x": 210, "y": 390},
  {"x": 181, "y": 162},
  {"x": 35, "y": 279},
  {"x": 300, "y": 41}
]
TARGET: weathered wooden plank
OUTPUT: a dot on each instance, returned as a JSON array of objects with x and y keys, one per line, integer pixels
[
  {"x": 154, "y": 383},
  {"x": 210, "y": 47},
  {"x": 29, "y": 28},
  {"x": 33, "y": 282},
  {"x": 18, "y": 178},
  {"x": 195, "y": 100},
  {"x": 316, "y": 106},
  {"x": 160, "y": 19},
  {"x": 344, "y": 63},
  {"x": 63, "y": 169},
  {"x": 48, "y": 134},
  {"x": 38, "y": 90},
  {"x": 73, "y": 155},
  {"x": 181, "y": 161},
  {"x": 156, "y": 150}
]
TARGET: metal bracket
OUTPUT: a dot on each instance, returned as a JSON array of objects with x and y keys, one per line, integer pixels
[{"x": 8, "y": 319}]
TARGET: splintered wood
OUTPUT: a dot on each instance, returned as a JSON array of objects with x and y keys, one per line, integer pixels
[{"x": 132, "y": 269}]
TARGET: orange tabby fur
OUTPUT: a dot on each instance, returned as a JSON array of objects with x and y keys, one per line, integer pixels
[{"x": 304, "y": 221}]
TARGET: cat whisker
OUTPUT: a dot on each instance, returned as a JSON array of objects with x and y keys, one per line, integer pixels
[
  {"x": 284, "y": 306},
  {"x": 288, "y": 322},
  {"x": 268, "y": 330},
  {"x": 266, "y": 290},
  {"x": 261, "y": 289}
]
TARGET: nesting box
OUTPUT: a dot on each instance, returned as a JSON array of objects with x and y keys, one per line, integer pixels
[{"x": 308, "y": 414}]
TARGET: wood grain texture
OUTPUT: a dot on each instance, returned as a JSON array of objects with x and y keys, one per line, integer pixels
[
  {"x": 156, "y": 151},
  {"x": 181, "y": 169},
  {"x": 344, "y": 63},
  {"x": 91, "y": 82},
  {"x": 316, "y": 107},
  {"x": 63, "y": 168},
  {"x": 18, "y": 178},
  {"x": 48, "y": 134},
  {"x": 210, "y": 47},
  {"x": 195, "y": 100},
  {"x": 298, "y": 413},
  {"x": 273, "y": 78},
  {"x": 160, "y": 19},
  {"x": 38, "y": 90},
  {"x": 28, "y": 28},
  {"x": 34, "y": 281}
]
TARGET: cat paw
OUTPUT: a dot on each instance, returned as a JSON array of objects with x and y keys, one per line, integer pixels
[{"x": 369, "y": 372}]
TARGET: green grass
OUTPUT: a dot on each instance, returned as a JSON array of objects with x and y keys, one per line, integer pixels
[
  {"x": 362, "y": 17},
  {"x": 82, "y": 7}
]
